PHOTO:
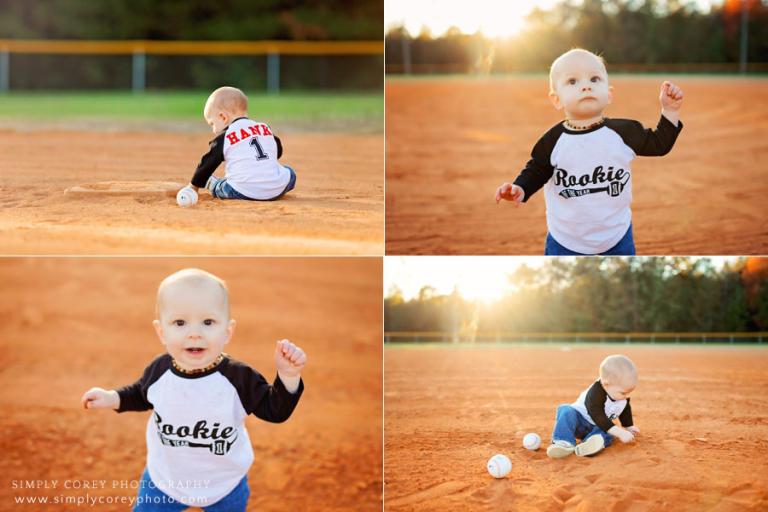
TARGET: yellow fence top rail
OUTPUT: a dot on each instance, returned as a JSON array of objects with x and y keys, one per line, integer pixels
[{"x": 61, "y": 46}]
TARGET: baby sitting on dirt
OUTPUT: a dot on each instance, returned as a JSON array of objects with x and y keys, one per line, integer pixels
[
  {"x": 250, "y": 149},
  {"x": 201, "y": 397},
  {"x": 583, "y": 163},
  {"x": 590, "y": 417}
]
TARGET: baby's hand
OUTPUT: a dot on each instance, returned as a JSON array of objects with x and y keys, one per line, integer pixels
[
  {"x": 671, "y": 97},
  {"x": 97, "y": 398},
  {"x": 634, "y": 429},
  {"x": 624, "y": 435},
  {"x": 289, "y": 358},
  {"x": 510, "y": 192}
]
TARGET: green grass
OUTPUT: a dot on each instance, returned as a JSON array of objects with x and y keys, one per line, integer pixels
[{"x": 56, "y": 106}]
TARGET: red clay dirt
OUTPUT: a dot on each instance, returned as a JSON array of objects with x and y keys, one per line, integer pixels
[
  {"x": 69, "y": 324},
  {"x": 452, "y": 142},
  {"x": 336, "y": 208},
  {"x": 701, "y": 410}
]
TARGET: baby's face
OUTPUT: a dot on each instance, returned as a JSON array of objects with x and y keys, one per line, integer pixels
[
  {"x": 581, "y": 87},
  {"x": 619, "y": 391},
  {"x": 194, "y": 323}
]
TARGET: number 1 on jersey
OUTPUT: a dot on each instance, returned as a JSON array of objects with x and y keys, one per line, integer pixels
[{"x": 261, "y": 154}]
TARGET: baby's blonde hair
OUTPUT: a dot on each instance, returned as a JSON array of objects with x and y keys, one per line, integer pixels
[
  {"x": 193, "y": 276},
  {"x": 573, "y": 51},
  {"x": 227, "y": 99},
  {"x": 618, "y": 369}
]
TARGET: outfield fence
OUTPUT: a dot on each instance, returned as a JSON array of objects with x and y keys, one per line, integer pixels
[
  {"x": 686, "y": 68},
  {"x": 576, "y": 337},
  {"x": 334, "y": 62}
]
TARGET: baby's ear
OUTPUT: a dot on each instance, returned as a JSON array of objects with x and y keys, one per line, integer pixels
[
  {"x": 158, "y": 330},
  {"x": 555, "y": 99},
  {"x": 610, "y": 94},
  {"x": 230, "y": 329}
]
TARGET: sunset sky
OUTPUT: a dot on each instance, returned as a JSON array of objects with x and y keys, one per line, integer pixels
[
  {"x": 477, "y": 278},
  {"x": 493, "y": 18}
]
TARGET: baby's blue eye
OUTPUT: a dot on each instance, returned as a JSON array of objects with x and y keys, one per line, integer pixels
[
  {"x": 208, "y": 321},
  {"x": 179, "y": 323},
  {"x": 595, "y": 79}
]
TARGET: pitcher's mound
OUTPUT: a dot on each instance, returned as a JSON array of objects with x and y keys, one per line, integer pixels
[{"x": 125, "y": 188}]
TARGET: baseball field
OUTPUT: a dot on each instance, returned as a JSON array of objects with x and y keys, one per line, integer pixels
[
  {"x": 133, "y": 143},
  {"x": 448, "y": 409},
  {"x": 452, "y": 142},
  {"x": 70, "y": 324}
]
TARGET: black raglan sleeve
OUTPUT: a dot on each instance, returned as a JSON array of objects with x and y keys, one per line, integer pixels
[
  {"x": 279, "y": 146},
  {"x": 538, "y": 170},
  {"x": 269, "y": 402},
  {"x": 645, "y": 141},
  {"x": 134, "y": 396},
  {"x": 210, "y": 161},
  {"x": 595, "y": 404},
  {"x": 626, "y": 416}
]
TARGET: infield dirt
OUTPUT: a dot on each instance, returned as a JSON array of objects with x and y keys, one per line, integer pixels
[
  {"x": 70, "y": 324},
  {"x": 336, "y": 208},
  {"x": 452, "y": 142},
  {"x": 701, "y": 410}
]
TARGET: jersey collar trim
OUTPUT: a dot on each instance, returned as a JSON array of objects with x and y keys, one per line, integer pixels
[
  {"x": 201, "y": 374},
  {"x": 582, "y": 132},
  {"x": 224, "y": 130}
]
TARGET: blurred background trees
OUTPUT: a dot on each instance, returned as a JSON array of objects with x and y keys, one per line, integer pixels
[
  {"x": 660, "y": 294},
  {"x": 196, "y": 20},
  {"x": 632, "y": 35},
  {"x": 192, "y": 19}
]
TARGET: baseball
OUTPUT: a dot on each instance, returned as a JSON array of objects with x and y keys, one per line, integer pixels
[
  {"x": 531, "y": 441},
  {"x": 186, "y": 197},
  {"x": 499, "y": 466}
]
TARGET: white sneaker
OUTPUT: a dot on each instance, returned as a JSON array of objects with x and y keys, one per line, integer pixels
[
  {"x": 591, "y": 446},
  {"x": 560, "y": 449},
  {"x": 211, "y": 183}
]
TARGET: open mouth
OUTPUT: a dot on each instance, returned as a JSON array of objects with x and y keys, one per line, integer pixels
[{"x": 194, "y": 351}]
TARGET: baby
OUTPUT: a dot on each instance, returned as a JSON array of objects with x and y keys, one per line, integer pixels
[
  {"x": 201, "y": 397},
  {"x": 590, "y": 417},
  {"x": 250, "y": 149},
  {"x": 583, "y": 163}
]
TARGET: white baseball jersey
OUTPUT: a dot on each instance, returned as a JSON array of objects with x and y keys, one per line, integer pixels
[
  {"x": 197, "y": 444},
  {"x": 587, "y": 179},
  {"x": 598, "y": 408},
  {"x": 250, "y": 151}
]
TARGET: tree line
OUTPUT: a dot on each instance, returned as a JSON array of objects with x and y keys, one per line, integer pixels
[
  {"x": 192, "y": 19},
  {"x": 197, "y": 20},
  {"x": 648, "y": 35},
  {"x": 661, "y": 294}
]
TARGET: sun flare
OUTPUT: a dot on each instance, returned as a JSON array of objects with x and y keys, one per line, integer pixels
[
  {"x": 483, "y": 279},
  {"x": 490, "y": 17}
]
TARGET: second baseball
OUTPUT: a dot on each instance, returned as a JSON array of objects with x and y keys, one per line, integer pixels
[{"x": 531, "y": 441}]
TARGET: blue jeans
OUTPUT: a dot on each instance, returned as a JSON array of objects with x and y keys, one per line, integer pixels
[
  {"x": 223, "y": 190},
  {"x": 152, "y": 499},
  {"x": 570, "y": 425},
  {"x": 625, "y": 247}
]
